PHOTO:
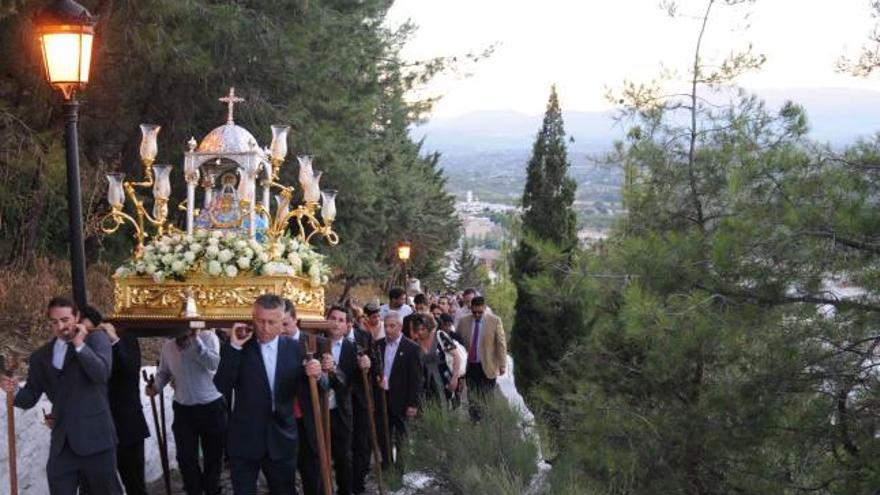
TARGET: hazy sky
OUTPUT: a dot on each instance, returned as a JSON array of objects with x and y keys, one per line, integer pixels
[{"x": 586, "y": 45}]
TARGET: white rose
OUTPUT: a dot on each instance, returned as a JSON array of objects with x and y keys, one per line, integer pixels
[
  {"x": 167, "y": 259},
  {"x": 212, "y": 251},
  {"x": 159, "y": 277},
  {"x": 216, "y": 234},
  {"x": 195, "y": 247},
  {"x": 164, "y": 248},
  {"x": 214, "y": 268},
  {"x": 254, "y": 244},
  {"x": 122, "y": 271},
  {"x": 267, "y": 269},
  {"x": 189, "y": 256},
  {"x": 244, "y": 262},
  {"x": 188, "y": 239},
  {"x": 225, "y": 255},
  {"x": 201, "y": 233},
  {"x": 213, "y": 241},
  {"x": 240, "y": 245},
  {"x": 177, "y": 267},
  {"x": 231, "y": 271},
  {"x": 150, "y": 248},
  {"x": 248, "y": 252},
  {"x": 150, "y": 269},
  {"x": 295, "y": 261},
  {"x": 263, "y": 257}
]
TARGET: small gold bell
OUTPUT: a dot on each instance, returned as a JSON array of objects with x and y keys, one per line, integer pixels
[{"x": 189, "y": 308}]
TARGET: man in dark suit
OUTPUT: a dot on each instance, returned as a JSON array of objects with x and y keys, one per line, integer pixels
[
  {"x": 125, "y": 402},
  {"x": 265, "y": 373},
  {"x": 73, "y": 370},
  {"x": 360, "y": 447},
  {"x": 342, "y": 364},
  {"x": 401, "y": 381}
]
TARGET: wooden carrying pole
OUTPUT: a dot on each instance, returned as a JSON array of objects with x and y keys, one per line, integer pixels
[
  {"x": 374, "y": 439},
  {"x": 325, "y": 410},
  {"x": 164, "y": 437},
  {"x": 8, "y": 367},
  {"x": 311, "y": 349},
  {"x": 163, "y": 454}
]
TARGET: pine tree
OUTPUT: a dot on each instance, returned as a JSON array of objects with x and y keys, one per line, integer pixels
[
  {"x": 547, "y": 220},
  {"x": 466, "y": 267}
]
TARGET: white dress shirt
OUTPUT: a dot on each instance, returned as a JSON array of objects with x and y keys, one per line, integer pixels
[
  {"x": 59, "y": 351},
  {"x": 390, "y": 354},
  {"x": 335, "y": 351},
  {"x": 269, "y": 350},
  {"x": 403, "y": 311}
]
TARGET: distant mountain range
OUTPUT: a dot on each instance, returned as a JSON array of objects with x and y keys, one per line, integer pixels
[{"x": 836, "y": 115}]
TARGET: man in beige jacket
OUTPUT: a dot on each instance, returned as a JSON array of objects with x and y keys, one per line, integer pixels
[{"x": 483, "y": 335}]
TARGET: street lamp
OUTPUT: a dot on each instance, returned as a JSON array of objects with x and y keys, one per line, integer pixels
[
  {"x": 67, "y": 31},
  {"x": 404, "y": 250}
]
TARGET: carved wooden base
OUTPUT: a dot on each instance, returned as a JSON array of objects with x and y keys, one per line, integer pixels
[{"x": 215, "y": 298}]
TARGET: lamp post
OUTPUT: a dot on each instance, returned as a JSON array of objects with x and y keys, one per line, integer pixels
[
  {"x": 66, "y": 31},
  {"x": 404, "y": 250}
]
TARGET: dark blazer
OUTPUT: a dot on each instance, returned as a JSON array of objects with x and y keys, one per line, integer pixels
[
  {"x": 405, "y": 385},
  {"x": 78, "y": 392},
  {"x": 341, "y": 381},
  {"x": 125, "y": 391},
  {"x": 304, "y": 394},
  {"x": 255, "y": 430},
  {"x": 364, "y": 343}
]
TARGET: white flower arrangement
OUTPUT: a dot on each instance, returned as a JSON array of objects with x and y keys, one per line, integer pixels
[{"x": 229, "y": 254}]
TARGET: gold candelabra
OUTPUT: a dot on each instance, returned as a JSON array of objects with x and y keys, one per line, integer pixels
[
  {"x": 229, "y": 151},
  {"x": 156, "y": 177}
]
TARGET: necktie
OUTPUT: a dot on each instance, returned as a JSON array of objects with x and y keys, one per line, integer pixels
[{"x": 473, "y": 357}]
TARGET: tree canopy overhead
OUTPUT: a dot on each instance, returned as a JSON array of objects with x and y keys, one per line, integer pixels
[{"x": 329, "y": 68}]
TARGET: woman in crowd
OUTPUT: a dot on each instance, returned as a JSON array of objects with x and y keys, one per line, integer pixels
[{"x": 440, "y": 381}]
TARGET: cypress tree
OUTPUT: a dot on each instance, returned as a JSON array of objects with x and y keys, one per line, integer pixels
[
  {"x": 466, "y": 267},
  {"x": 548, "y": 221}
]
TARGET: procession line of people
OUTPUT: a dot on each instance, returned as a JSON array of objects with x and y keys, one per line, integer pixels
[{"x": 263, "y": 396}]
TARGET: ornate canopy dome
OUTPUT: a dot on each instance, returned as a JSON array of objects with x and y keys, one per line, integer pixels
[{"x": 228, "y": 138}]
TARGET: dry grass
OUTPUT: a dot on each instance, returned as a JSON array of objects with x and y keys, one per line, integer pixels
[{"x": 24, "y": 293}]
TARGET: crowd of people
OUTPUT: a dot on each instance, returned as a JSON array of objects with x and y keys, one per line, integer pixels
[{"x": 262, "y": 396}]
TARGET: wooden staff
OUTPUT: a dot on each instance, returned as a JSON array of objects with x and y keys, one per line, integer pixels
[
  {"x": 164, "y": 436},
  {"x": 9, "y": 365},
  {"x": 384, "y": 401},
  {"x": 163, "y": 454},
  {"x": 374, "y": 438},
  {"x": 325, "y": 410},
  {"x": 311, "y": 349}
]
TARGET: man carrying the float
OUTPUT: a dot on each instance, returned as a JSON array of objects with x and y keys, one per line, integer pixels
[
  {"x": 266, "y": 370},
  {"x": 73, "y": 370}
]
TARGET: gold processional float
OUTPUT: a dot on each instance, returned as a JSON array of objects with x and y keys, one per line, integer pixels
[{"x": 234, "y": 248}]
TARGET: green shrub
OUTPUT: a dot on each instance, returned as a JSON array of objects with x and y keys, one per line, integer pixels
[{"x": 490, "y": 456}]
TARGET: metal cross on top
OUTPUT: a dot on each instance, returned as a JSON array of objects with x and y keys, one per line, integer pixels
[{"x": 230, "y": 101}]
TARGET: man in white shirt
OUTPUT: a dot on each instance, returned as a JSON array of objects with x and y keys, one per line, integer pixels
[
  {"x": 199, "y": 409},
  {"x": 396, "y": 303}
]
